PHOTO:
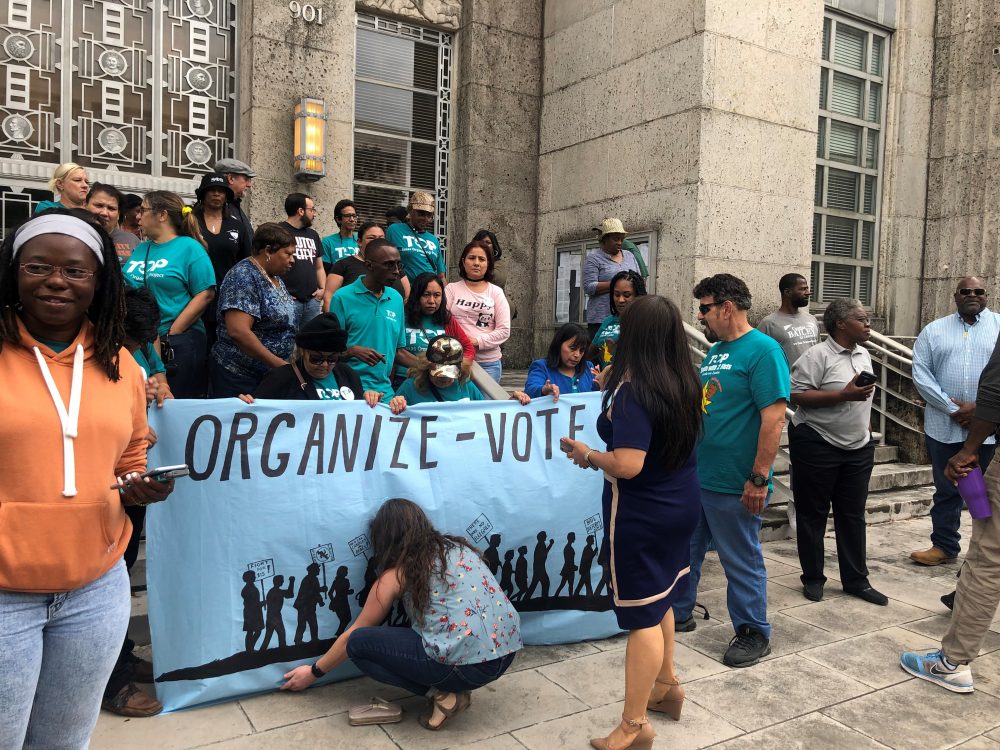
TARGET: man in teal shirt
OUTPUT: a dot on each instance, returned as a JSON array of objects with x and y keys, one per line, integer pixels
[
  {"x": 418, "y": 247},
  {"x": 371, "y": 311},
  {"x": 344, "y": 242},
  {"x": 745, "y": 389}
]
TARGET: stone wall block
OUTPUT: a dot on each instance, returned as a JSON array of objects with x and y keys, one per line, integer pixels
[
  {"x": 284, "y": 73},
  {"x": 910, "y": 174},
  {"x": 563, "y": 120},
  {"x": 942, "y": 80},
  {"x": 746, "y": 21},
  {"x": 914, "y": 124},
  {"x": 519, "y": 16},
  {"x": 500, "y": 178},
  {"x": 579, "y": 51},
  {"x": 497, "y": 117},
  {"x": 735, "y": 222},
  {"x": 273, "y": 21},
  {"x": 580, "y": 174},
  {"x": 917, "y": 74},
  {"x": 731, "y": 151},
  {"x": 789, "y": 159},
  {"x": 653, "y": 156},
  {"x": 660, "y": 94},
  {"x": 501, "y": 60},
  {"x": 642, "y": 26},
  {"x": 561, "y": 14},
  {"x": 902, "y": 300},
  {"x": 795, "y": 27}
]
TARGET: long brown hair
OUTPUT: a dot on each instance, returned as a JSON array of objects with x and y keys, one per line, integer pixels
[
  {"x": 184, "y": 222},
  {"x": 404, "y": 538}
]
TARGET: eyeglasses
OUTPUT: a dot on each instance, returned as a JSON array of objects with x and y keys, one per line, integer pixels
[
  {"x": 321, "y": 359},
  {"x": 704, "y": 308},
  {"x": 389, "y": 265},
  {"x": 70, "y": 273},
  {"x": 966, "y": 292}
]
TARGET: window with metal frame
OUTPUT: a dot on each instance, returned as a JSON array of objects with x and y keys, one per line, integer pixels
[
  {"x": 849, "y": 160},
  {"x": 402, "y": 117},
  {"x": 570, "y": 300}
]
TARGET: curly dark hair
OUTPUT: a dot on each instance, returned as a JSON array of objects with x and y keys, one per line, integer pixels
[
  {"x": 413, "y": 313},
  {"x": 725, "y": 287},
  {"x": 404, "y": 538},
  {"x": 106, "y": 311},
  {"x": 638, "y": 286}
]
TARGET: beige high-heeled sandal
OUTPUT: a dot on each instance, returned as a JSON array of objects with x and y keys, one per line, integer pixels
[
  {"x": 671, "y": 702},
  {"x": 639, "y": 730}
]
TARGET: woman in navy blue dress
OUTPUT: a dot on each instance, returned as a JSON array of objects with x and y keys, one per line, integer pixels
[{"x": 650, "y": 420}]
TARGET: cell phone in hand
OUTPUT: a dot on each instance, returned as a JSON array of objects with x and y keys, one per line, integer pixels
[
  {"x": 166, "y": 473},
  {"x": 565, "y": 446},
  {"x": 865, "y": 379}
]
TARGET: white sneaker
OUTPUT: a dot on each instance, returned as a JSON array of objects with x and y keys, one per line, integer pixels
[{"x": 930, "y": 666}]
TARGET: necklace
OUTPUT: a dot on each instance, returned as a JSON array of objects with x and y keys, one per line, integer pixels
[{"x": 276, "y": 283}]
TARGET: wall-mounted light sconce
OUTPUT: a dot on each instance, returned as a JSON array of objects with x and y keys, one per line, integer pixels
[{"x": 310, "y": 139}]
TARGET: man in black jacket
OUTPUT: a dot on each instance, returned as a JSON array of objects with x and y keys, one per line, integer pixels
[
  {"x": 978, "y": 591},
  {"x": 240, "y": 178}
]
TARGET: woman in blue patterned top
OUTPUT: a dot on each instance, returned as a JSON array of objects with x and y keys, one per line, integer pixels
[
  {"x": 256, "y": 315},
  {"x": 465, "y": 631}
]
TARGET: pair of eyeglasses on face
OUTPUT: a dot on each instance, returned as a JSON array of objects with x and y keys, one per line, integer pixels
[
  {"x": 967, "y": 292},
  {"x": 323, "y": 359},
  {"x": 704, "y": 308},
  {"x": 70, "y": 273}
]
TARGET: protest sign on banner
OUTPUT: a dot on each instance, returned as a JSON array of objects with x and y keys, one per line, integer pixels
[{"x": 283, "y": 489}]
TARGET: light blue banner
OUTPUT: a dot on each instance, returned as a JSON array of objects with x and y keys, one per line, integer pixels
[{"x": 281, "y": 485}]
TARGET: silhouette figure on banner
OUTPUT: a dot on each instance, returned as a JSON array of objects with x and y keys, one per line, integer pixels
[
  {"x": 604, "y": 560},
  {"x": 340, "y": 605},
  {"x": 538, "y": 573},
  {"x": 568, "y": 572},
  {"x": 253, "y": 610},
  {"x": 275, "y": 600},
  {"x": 521, "y": 573},
  {"x": 506, "y": 576},
  {"x": 492, "y": 555},
  {"x": 310, "y": 596},
  {"x": 586, "y": 560},
  {"x": 371, "y": 575}
]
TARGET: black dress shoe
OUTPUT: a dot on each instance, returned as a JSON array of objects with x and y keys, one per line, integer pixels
[
  {"x": 948, "y": 600},
  {"x": 813, "y": 591},
  {"x": 869, "y": 595}
]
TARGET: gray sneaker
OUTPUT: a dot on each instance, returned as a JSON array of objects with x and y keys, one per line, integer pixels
[{"x": 746, "y": 648}]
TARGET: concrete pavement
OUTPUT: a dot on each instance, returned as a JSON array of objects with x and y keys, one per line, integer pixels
[{"x": 832, "y": 681}]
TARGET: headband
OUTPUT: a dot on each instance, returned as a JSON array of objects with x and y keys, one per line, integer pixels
[{"x": 60, "y": 224}]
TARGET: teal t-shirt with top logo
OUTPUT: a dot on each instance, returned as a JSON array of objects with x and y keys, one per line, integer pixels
[
  {"x": 175, "y": 272},
  {"x": 738, "y": 379},
  {"x": 328, "y": 389},
  {"x": 420, "y": 252},
  {"x": 609, "y": 331},
  {"x": 337, "y": 247},
  {"x": 457, "y": 391},
  {"x": 418, "y": 339}
]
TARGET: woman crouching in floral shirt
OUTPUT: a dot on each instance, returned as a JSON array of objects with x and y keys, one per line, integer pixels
[{"x": 465, "y": 631}]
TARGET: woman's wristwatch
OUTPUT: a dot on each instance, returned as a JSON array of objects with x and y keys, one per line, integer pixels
[{"x": 316, "y": 671}]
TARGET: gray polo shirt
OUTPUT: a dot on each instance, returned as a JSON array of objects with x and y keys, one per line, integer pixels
[{"x": 829, "y": 367}]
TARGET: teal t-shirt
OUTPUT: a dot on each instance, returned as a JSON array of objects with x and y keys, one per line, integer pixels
[
  {"x": 45, "y": 205},
  {"x": 57, "y": 346},
  {"x": 328, "y": 389},
  {"x": 418, "y": 339},
  {"x": 375, "y": 322},
  {"x": 420, "y": 252},
  {"x": 174, "y": 272},
  {"x": 610, "y": 330},
  {"x": 336, "y": 247},
  {"x": 150, "y": 362},
  {"x": 457, "y": 391},
  {"x": 738, "y": 379}
]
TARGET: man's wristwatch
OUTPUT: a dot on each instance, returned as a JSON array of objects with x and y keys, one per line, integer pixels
[
  {"x": 316, "y": 671},
  {"x": 757, "y": 480}
]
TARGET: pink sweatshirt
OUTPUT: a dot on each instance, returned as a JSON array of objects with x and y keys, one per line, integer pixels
[{"x": 483, "y": 316}]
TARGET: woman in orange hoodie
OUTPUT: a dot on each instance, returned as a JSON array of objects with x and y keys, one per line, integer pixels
[{"x": 74, "y": 421}]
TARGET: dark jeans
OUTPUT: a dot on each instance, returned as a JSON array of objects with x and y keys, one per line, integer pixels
[
  {"x": 824, "y": 475},
  {"x": 227, "y": 384},
  {"x": 189, "y": 378},
  {"x": 396, "y": 656},
  {"x": 946, "y": 513}
]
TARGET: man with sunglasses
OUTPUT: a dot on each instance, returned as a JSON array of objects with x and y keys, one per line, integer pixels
[
  {"x": 745, "y": 390},
  {"x": 371, "y": 312},
  {"x": 948, "y": 357}
]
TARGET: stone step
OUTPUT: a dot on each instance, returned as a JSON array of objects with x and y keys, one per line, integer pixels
[
  {"x": 884, "y": 454},
  {"x": 885, "y": 476}
]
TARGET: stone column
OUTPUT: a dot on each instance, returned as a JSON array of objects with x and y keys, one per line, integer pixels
[
  {"x": 282, "y": 59},
  {"x": 494, "y": 173}
]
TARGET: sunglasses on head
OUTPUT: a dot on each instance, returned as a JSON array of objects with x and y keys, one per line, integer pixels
[
  {"x": 966, "y": 292},
  {"x": 320, "y": 359},
  {"x": 704, "y": 308}
]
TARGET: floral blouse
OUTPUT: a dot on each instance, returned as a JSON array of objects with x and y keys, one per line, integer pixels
[{"x": 469, "y": 619}]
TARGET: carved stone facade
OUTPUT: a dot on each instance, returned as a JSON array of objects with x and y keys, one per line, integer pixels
[{"x": 444, "y": 14}]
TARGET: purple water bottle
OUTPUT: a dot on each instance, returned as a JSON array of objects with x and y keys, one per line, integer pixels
[{"x": 972, "y": 488}]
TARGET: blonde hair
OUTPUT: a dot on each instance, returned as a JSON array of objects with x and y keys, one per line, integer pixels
[
  {"x": 62, "y": 172},
  {"x": 421, "y": 373}
]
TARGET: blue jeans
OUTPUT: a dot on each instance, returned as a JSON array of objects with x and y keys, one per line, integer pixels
[
  {"x": 493, "y": 369},
  {"x": 946, "y": 513},
  {"x": 56, "y": 654},
  {"x": 188, "y": 377},
  {"x": 737, "y": 538},
  {"x": 396, "y": 656},
  {"x": 306, "y": 311}
]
